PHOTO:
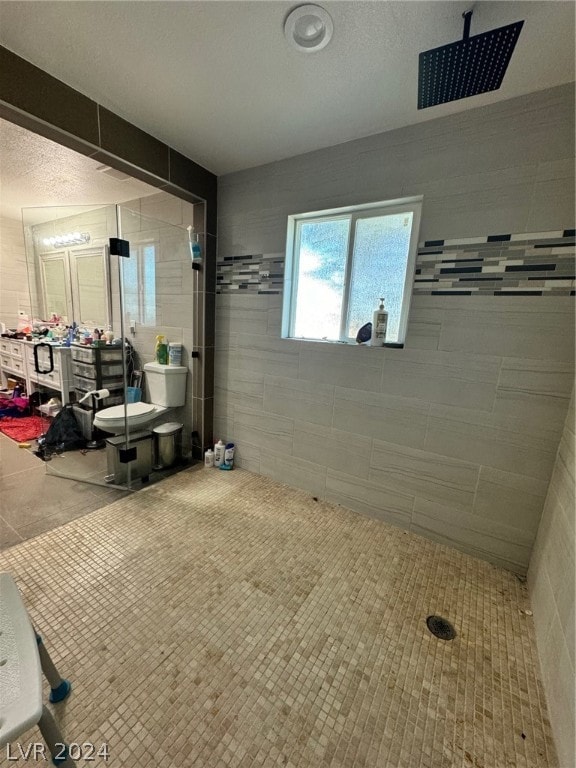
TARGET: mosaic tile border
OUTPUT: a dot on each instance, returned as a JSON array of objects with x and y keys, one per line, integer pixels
[
  {"x": 525, "y": 264},
  {"x": 254, "y": 273}
]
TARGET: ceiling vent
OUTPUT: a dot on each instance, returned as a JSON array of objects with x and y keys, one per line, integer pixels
[
  {"x": 118, "y": 175},
  {"x": 308, "y": 28}
]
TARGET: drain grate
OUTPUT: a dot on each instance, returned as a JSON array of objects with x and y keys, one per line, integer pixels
[{"x": 441, "y": 628}]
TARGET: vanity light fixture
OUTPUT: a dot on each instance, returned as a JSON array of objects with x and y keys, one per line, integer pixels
[
  {"x": 308, "y": 28},
  {"x": 72, "y": 238}
]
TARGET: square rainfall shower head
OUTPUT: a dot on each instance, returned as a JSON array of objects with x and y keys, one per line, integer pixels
[{"x": 467, "y": 67}]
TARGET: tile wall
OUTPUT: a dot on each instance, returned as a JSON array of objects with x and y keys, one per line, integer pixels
[
  {"x": 455, "y": 435},
  {"x": 14, "y": 293},
  {"x": 552, "y": 580}
]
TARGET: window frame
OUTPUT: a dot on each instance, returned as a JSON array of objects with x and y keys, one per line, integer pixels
[{"x": 353, "y": 213}]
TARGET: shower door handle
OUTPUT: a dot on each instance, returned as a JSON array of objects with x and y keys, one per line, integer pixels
[{"x": 50, "y": 356}]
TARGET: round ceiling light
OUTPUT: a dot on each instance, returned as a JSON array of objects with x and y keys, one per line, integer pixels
[{"x": 308, "y": 28}]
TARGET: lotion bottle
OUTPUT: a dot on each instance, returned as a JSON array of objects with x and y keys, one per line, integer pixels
[{"x": 379, "y": 326}]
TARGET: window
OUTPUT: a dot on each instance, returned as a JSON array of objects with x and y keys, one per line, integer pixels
[
  {"x": 139, "y": 284},
  {"x": 340, "y": 262}
]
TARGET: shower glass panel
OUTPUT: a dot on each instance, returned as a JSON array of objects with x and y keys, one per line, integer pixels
[
  {"x": 158, "y": 285},
  {"x": 77, "y": 281},
  {"x": 70, "y": 373}
]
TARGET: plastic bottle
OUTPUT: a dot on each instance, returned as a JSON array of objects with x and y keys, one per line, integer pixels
[
  {"x": 228, "y": 462},
  {"x": 161, "y": 350},
  {"x": 174, "y": 354},
  {"x": 379, "y": 326},
  {"x": 209, "y": 458},
  {"x": 219, "y": 449},
  {"x": 196, "y": 250}
]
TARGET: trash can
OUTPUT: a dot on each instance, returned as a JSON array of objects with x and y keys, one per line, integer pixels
[
  {"x": 134, "y": 453},
  {"x": 167, "y": 444}
]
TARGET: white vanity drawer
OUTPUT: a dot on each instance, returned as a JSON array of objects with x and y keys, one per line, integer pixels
[
  {"x": 14, "y": 364},
  {"x": 5, "y": 361},
  {"x": 4, "y": 347},
  {"x": 51, "y": 380},
  {"x": 15, "y": 349}
]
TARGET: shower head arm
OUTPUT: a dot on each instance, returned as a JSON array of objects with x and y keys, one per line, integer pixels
[{"x": 467, "y": 16}]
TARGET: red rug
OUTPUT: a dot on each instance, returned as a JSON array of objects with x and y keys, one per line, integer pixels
[{"x": 25, "y": 428}]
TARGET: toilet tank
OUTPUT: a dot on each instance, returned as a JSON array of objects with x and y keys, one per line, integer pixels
[{"x": 166, "y": 384}]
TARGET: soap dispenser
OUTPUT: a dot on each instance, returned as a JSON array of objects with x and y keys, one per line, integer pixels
[{"x": 379, "y": 326}]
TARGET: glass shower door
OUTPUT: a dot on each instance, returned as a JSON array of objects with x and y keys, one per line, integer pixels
[
  {"x": 104, "y": 283},
  {"x": 75, "y": 360}
]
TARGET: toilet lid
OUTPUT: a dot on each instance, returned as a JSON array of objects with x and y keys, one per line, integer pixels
[{"x": 117, "y": 411}]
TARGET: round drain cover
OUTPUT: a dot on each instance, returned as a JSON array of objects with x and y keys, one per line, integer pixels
[{"x": 441, "y": 627}]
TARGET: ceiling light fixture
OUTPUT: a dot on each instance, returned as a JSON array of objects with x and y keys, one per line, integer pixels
[
  {"x": 71, "y": 238},
  {"x": 308, "y": 28}
]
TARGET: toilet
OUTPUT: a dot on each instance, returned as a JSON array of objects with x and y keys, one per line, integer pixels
[{"x": 166, "y": 389}]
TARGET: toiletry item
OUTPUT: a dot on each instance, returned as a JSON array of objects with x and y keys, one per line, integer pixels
[
  {"x": 174, "y": 354},
  {"x": 209, "y": 458},
  {"x": 194, "y": 245},
  {"x": 229, "y": 454},
  {"x": 219, "y": 449},
  {"x": 225, "y": 466},
  {"x": 379, "y": 326},
  {"x": 161, "y": 350}
]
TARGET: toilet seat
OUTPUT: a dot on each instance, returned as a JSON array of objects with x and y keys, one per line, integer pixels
[{"x": 112, "y": 419}]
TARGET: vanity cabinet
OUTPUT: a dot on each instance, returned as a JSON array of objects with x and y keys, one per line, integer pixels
[
  {"x": 12, "y": 360},
  {"x": 50, "y": 356},
  {"x": 17, "y": 360}
]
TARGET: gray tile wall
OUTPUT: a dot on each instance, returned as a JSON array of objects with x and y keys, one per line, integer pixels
[
  {"x": 14, "y": 293},
  {"x": 551, "y": 580},
  {"x": 455, "y": 435}
]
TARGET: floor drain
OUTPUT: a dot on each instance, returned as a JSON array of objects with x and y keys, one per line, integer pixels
[{"x": 441, "y": 627}]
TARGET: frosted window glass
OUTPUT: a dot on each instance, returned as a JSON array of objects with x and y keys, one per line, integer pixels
[
  {"x": 139, "y": 285},
  {"x": 321, "y": 272},
  {"x": 130, "y": 287},
  {"x": 149, "y": 285},
  {"x": 380, "y": 258}
]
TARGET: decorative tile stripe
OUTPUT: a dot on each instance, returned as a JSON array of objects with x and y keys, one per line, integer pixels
[
  {"x": 526, "y": 264},
  {"x": 255, "y": 273}
]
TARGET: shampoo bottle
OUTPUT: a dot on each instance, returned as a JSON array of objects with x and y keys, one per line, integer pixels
[
  {"x": 219, "y": 449},
  {"x": 161, "y": 350},
  {"x": 379, "y": 326}
]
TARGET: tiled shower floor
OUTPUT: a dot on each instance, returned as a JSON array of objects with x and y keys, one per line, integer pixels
[{"x": 221, "y": 619}]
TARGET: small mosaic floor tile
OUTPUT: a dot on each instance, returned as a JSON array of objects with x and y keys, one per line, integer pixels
[{"x": 223, "y": 619}]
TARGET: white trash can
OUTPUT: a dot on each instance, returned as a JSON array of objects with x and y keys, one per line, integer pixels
[{"x": 167, "y": 444}]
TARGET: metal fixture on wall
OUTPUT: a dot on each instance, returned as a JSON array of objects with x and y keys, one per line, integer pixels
[
  {"x": 308, "y": 28},
  {"x": 467, "y": 67}
]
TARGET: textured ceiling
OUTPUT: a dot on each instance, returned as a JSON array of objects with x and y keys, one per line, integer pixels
[
  {"x": 37, "y": 172},
  {"x": 218, "y": 81}
]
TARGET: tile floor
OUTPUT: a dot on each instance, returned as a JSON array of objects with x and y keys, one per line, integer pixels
[
  {"x": 33, "y": 499},
  {"x": 222, "y": 619}
]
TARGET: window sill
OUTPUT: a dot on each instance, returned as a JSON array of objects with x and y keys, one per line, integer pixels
[{"x": 387, "y": 345}]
